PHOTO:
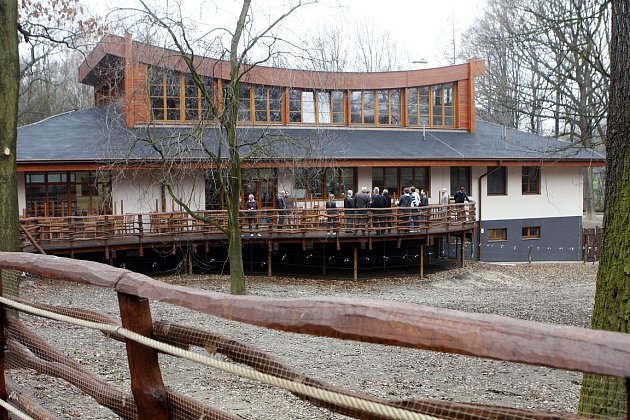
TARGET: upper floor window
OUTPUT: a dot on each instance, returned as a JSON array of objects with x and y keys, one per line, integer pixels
[
  {"x": 174, "y": 96},
  {"x": 362, "y": 107},
  {"x": 244, "y": 102},
  {"x": 381, "y": 107},
  {"x": 268, "y": 104},
  {"x": 306, "y": 106},
  {"x": 389, "y": 107},
  {"x": 531, "y": 180},
  {"x": 431, "y": 106},
  {"x": 418, "y": 106},
  {"x": 497, "y": 176}
]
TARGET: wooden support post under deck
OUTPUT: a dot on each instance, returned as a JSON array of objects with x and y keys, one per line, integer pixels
[
  {"x": 269, "y": 254},
  {"x": 189, "y": 268},
  {"x": 140, "y": 235},
  {"x": 324, "y": 259},
  {"x": 462, "y": 249},
  {"x": 422, "y": 261},
  {"x": 146, "y": 380},
  {"x": 355, "y": 267},
  {"x": 4, "y": 415}
]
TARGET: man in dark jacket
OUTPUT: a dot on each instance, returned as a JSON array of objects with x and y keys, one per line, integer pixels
[
  {"x": 348, "y": 205},
  {"x": 388, "y": 213},
  {"x": 378, "y": 214},
  {"x": 461, "y": 196},
  {"x": 361, "y": 201}
]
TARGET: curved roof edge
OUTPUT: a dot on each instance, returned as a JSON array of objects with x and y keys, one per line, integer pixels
[{"x": 112, "y": 47}]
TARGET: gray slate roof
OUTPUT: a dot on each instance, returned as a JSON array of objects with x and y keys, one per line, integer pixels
[{"x": 99, "y": 134}]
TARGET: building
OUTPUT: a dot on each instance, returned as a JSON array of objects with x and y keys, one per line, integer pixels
[{"x": 390, "y": 129}]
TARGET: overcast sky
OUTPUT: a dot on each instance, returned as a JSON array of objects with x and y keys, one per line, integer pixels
[{"x": 421, "y": 29}]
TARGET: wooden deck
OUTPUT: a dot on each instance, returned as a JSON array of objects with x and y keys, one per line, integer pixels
[{"x": 362, "y": 227}]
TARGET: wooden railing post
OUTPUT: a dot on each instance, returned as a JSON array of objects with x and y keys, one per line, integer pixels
[{"x": 146, "y": 380}]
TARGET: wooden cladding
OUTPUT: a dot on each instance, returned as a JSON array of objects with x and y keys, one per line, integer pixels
[
  {"x": 174, "y": 97},
  {"x": 384, "y": 98}
]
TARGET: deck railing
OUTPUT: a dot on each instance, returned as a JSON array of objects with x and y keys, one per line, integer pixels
[{"x": 399, "y": 220}]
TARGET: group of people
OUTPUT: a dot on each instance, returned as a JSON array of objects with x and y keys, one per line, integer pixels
[{"x": 356, "y": 206}]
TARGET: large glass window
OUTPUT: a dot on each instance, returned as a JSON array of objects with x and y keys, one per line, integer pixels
[
  {"x": 268, "y": 104},
  {"x": 261, "y": 183},
  {"x": 389, "y": 107},
  {"x": 311, "y": 107},
  {"x": 317, "y": 183},
  {"x": 460, "y": 177},
  {"x": 244, "y": 102},
  {"x": 214, "y": 191},
  {"x": 338, "y": 181},
  {"x": 337, "y": 104},
  {"x": 431, "y": 106},
  {"x": 362, "y": 105},
  {"x": 174, "y": 96},
  {"x": 531, "y": 180},
  {"x": 56, "y": 194},
  {"x": 497, "y": 176},
  {"x": 396, "y": 179}
]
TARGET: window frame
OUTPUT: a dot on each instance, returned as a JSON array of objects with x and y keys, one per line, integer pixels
[
  {"x": 530, "y": 232},
  {"x": 335, "y": 106},
  {"x": 498, "y": 234},
  {"x": 527, "y": 181},
  {"x": 493, "y": 173}
]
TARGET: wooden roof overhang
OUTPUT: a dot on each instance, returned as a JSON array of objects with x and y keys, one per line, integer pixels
[
  {"x": 112, "y": 46},
  {"x": 270, "y": 163}
]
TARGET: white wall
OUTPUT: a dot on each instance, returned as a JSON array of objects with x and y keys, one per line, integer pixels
[
  {"x": 364, "y": 178},
  {"x": 560, "y": 195},
  {"x": 139, "y": 191},
  {"x": 21, "y": 188}
]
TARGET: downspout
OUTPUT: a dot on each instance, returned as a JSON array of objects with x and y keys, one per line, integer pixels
[{"x": 479, "y": 207}]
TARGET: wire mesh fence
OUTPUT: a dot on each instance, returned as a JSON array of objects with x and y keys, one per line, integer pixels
[{"x": 217, "y": 367}]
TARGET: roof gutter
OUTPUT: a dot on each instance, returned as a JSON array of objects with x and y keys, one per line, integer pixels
[{"x": 479, "y": 206}]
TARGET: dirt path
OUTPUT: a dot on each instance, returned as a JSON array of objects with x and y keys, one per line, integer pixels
[{"x": 556, "y": 293}]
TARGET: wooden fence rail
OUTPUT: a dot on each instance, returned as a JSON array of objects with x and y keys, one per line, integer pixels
[{"x": 383, "y": 322}]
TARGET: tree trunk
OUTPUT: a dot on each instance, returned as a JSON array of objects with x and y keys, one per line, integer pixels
[
  {"x": 235, "y": 248},
  {"x": 606, "y": 396},
  {"x": 589, "y": 195},
  {"x": 9, "y": 84}
]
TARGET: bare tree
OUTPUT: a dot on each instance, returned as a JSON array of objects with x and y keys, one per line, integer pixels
[
  {"x": 215, "y": 140},
  {"x": 547, "y": 69},
  {"x": 9, "y": 82},
  {"x": 606, "y": 396},
  {"x": 57, "y": 22},
  {"x": 49, "y": 86},
  {"x": 375, "y": 50}
]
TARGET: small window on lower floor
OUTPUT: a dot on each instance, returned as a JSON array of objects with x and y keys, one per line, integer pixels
[
  {"x": 531, "y": 232},
  {"x": 499, "y": 234}
]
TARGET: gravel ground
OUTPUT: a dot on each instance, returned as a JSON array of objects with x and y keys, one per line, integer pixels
[{"x": 554, "y": 293}]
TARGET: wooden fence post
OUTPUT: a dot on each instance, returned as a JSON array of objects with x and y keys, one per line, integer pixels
[{"x": 146, "y": 380}]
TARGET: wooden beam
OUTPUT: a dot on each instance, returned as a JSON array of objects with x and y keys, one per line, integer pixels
[
  {"x": 355, "y": 269},
  {"x": 146, "y": 379},
  {"x": 421, "y": 261}
]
